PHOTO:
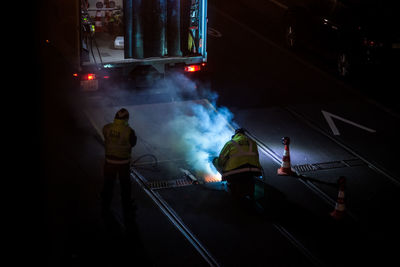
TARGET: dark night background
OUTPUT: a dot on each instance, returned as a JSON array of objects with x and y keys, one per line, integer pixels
[{"x": 41, "y": 121}]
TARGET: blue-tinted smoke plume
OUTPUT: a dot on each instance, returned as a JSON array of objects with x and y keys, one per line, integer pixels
[{"x": 204, "y": 130}]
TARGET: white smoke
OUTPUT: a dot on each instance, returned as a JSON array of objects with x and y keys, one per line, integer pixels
[
  {"x": 196, "y": 129},
  {"x": 203, "y": 132}
]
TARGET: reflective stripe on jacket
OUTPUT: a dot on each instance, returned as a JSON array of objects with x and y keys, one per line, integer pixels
[
  {"x": 119, "y": 139},
  {"x": 239, "y": 151}
]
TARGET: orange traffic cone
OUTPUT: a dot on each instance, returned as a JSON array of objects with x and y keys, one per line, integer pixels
[
  {"x": 340, "y": 207},
  {"x": 285, "y": 168}
]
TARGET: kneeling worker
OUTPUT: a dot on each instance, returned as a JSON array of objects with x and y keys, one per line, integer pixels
[{"x": 238, "y": 162}]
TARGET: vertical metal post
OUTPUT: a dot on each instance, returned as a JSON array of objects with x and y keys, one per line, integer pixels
[
  {"x": 162, "y": 7},
  {"x": 128, "y": 35},
  {"x": 155, "y": 16},
  {"x": 185, "y": 24},
  {"x": 174, "y": 28},
  {"x": 203, "y": 28},
  {"x": 137, "y": 30}
]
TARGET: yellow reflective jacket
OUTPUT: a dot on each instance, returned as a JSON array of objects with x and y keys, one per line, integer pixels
[
  {"x": 239, "y": 151},
  {"x": 119, "y": 139}
]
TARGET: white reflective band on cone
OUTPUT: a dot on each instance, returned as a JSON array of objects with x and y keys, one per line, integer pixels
[
  {"x": 285, "y": 164},
  {"x": 340, "y": 207}
]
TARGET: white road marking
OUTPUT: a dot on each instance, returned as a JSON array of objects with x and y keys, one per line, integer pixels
[
  {"x": 279, "y": 4},
  {"x": 328, "y": 116},
  {"x": 213, "y": 32}
]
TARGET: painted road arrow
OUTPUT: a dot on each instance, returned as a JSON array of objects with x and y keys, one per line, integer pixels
[{"x": 328, "y": 116}]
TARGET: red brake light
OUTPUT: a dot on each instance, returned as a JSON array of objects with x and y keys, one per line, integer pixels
[
  {"x": 371, "y": 43},
  {"x": 192, "y": 68},
  {"x": 89, "y": 76}
]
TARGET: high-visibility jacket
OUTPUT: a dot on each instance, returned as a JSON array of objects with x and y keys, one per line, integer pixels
[
  {"x": 119, "y": 139},
  {"x": 240, "y": 154}
]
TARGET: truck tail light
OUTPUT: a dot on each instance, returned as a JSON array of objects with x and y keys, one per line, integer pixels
[
  {"x": 86, "y": 76},
  {"x": 89, "y": 77},
  {"x": 371, "y": 43},
  {"x": 192, "y": 68}
]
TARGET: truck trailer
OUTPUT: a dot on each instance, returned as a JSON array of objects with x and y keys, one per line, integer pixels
[{"x": 124, "y": 39}]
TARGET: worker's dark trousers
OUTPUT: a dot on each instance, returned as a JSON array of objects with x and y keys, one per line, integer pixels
[
  {"x": 241, "y": 185},
  {"x": 111, "y": 172}
]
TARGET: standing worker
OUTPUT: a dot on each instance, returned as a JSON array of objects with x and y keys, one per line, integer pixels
[
  {"x": 238, "y": 162},
  {"x": 119, "y": 139}
]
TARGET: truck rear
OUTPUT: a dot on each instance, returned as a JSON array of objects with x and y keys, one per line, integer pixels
[{"x": 129, "y": 39}]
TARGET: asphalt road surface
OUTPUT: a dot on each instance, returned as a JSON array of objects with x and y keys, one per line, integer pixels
[{"x": 336, "y": 129}]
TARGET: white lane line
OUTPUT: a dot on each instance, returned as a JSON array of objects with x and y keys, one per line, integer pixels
[{"x": 279, "y": 4}]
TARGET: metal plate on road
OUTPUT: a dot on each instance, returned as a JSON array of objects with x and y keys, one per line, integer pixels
[
  {"x": 329, "y": 165},
  {"x": 169, "y": 183}
]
